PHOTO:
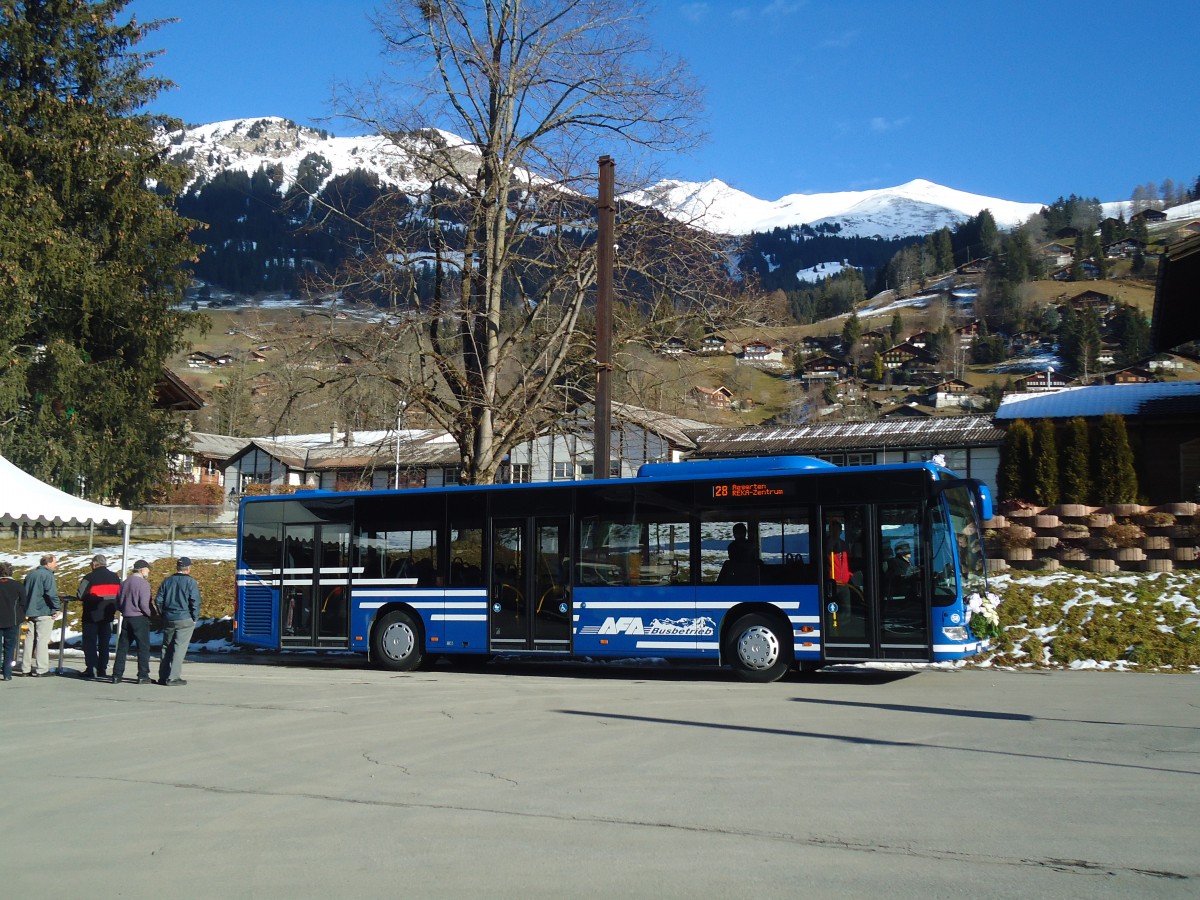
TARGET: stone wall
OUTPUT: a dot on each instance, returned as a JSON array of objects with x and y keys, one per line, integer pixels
[{"x": 1123, "y": 537}]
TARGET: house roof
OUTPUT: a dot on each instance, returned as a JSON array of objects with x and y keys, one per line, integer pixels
[
  {"x": 172, "y": 392},
  {"x": 1175, "y": 398},
  {"x": 217, "y": 446},
  {"x": 316, "y": 452},
  {"x": 675, "y": 429},
  {"x": 892, "y": 434}
]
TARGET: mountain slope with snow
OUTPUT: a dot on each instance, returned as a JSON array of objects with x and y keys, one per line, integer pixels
[
  {"x": 915, "y": 208},
  {"x": 247, "y": 145}
]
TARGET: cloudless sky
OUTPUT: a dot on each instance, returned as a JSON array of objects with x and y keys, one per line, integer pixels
[{"x": 1017, "y": 99}]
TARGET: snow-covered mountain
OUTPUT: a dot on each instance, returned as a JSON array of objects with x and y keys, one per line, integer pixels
[
  {"x": 246, "y": 145},
  {"x": 918, "y": 207}
]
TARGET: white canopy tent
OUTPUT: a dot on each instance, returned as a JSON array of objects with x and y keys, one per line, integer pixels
[{"x": 24, "y": 500}]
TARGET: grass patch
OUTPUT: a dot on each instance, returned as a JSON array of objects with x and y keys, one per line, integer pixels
[{"x": 1147, "y": 622}]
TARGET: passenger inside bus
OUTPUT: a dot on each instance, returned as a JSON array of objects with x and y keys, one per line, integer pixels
[
  {"x": 742, "y": 565},
  {"x": 900, "y": 577}
]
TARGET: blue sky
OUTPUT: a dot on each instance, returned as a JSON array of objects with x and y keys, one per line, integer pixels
[{"x": 1018, "y": 99}]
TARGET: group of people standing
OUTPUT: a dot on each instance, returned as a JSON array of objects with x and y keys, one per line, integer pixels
[{"x": 105, "y": 598}]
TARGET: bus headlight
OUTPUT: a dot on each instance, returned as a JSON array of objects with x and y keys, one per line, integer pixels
[{"x": 957, "y": 633}]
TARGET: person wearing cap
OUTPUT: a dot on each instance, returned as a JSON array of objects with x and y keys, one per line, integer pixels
[
  {"x": 136, "y": 608},
  {"x": 179, "y": 601},
  {"x": 42, "y": 608},
  {"x": 98, "y": 591},
  {"x": 900, "y": 575}
]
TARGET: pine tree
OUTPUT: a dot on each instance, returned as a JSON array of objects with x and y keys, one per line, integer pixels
[
  {"x": 90, "y": 251},
  {"x": 1014, "y": 476},
  {"x": 1075, "y": 479},
  {"x": 1134, "y": 337},
  {"x": 944, "y": 247},
  {"x": 1045, "y": 464},
  {"x": 851, "y": 332},
  {"x": 1113, "y": 476},
  {"x": 896, "y": 332}
]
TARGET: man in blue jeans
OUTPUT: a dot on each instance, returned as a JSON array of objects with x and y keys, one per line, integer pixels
[
  {"x": 178, "y": 601},
  {"x": 136, "y": 608}
]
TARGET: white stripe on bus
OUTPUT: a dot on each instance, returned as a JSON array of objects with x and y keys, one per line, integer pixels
[{"x": 405, "y": 594}]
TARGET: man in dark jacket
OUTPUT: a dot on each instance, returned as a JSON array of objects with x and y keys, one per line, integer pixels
[
  {"x": 12, "y": 614},
  {"x": 42, "y": 608},
  {"x": 135, "y": 607},
  {"x": 98, "y": 590},
  {"x": 179, "y": 602}
]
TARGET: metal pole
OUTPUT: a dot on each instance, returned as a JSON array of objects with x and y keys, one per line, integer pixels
[
  {"x": 62, "y": 633},
  {"x": 400, "y": 407},
  {"x": 606, "y": 216}
]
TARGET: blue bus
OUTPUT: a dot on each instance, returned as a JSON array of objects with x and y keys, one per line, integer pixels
[{"x": 764, "y": 565}]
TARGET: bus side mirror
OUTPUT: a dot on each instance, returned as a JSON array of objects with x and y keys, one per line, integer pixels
[{"x": 983, "y": 499}]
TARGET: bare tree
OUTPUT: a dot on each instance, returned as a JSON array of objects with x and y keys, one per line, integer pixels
[{"x": 498, "y": 343}]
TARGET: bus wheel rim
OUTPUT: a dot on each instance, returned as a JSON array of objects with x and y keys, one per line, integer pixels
[
  {"x": 398, "y": 641},
  {"x": 758, "y": 647}
]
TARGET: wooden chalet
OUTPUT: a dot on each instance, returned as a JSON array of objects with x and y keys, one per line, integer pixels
[
  {"x": 907, "y": 355},
  {"x": 1131, "y": 375},
  {"x": 760, "y": 351},
  {"x": 1041, "y": 382},
  {"x": 1102, "y": 303},
  {"x": 713, "y": 344},
  {"x": 823, "y": 368},
  {"x": 1058, "y": 254},
  {"x": 715, "y": 398},
  {"x": 1150, "y": 215},
  {"x": 1124, "y": 248},
  {"x": 1088, "y": 269}
]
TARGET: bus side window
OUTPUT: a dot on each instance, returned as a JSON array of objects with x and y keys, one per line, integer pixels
[
  {"x": 466, "y": 557},
  {"x": 786, "y": 550}
]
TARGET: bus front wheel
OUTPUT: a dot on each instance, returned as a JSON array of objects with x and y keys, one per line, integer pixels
[
  {"x": 396, "y": 642},
  {"x": 758, "y": 649}
]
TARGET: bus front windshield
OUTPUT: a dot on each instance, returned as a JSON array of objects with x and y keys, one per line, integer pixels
[{"x": 956, "y": 539}]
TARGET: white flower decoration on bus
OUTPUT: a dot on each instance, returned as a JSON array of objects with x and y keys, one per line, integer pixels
[{"x": 983, "y": 615}]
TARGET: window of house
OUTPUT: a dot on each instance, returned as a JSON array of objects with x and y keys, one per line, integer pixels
[{"x": 563, "y": 471}]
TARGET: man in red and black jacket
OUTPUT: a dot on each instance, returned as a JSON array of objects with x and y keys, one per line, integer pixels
[{"x": 98, "y": 590}]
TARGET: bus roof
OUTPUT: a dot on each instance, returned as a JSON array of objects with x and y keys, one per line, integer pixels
[{"x": 737, "y": 467}]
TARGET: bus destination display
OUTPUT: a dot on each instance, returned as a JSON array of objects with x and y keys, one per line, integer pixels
[{"x": 748, "y": 490}]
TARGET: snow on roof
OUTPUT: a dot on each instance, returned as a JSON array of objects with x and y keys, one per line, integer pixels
[
  {"x": 892, "y": 433},
  {"x": 1098, "y": 400}
]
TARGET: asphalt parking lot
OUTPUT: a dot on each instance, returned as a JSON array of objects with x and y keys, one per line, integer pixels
[{"x": 312, "y": 777}]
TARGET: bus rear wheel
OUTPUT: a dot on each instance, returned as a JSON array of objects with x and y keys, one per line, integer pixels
[
  {"x": 396, "y": 642},
  {"x": 758, "y": 649}
]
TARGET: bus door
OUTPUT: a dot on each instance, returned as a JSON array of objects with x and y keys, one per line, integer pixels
[
  {"x": 875, "y": 600},
  {"x": 315, "y": 585},
  {"x": 848, "y": 602},
  {"x": 904, "y": 602},
  {"x": 530, "y": 585}
]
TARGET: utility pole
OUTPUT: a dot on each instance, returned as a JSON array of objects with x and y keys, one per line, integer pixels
[{"x": 606, "y": 216}]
